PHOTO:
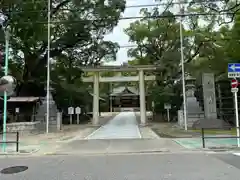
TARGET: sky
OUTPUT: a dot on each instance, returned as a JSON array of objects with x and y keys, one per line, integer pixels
[{"x": 118, "y": 34}]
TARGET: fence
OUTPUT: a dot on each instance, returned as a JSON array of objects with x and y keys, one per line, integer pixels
[
  {"x": 12, "y": 142},
  {"x": 214, "y": 137}
]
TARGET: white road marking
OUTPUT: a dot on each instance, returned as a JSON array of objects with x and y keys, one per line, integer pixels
[{"x": 236, "y": 154}]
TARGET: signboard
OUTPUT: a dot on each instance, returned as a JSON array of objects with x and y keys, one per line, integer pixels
[
  {"x": 233, "y": 70},
  {"x": 234, "y": 83},
  {"x": 70, "y": 110},
  {"x": 234, "y": 90},
  {"x": 17, "y": 110},
  {"x": 167, "y": 106},
  {"x": 78, "y": 110}
]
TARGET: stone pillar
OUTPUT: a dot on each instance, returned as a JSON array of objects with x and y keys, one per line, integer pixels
[
  {"x": 209, "y": 96},
  {"x": 142, "y": 98},
  {"x": 111, "y": 99},
  {"x": 59, "y": 121},
  {"x": 180, "y": 118},
  {"x": 96, "y": 98}
]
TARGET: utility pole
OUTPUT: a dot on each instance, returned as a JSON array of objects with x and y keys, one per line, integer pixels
[{"x": 182, "y": 65}]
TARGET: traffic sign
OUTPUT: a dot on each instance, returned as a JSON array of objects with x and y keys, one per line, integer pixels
[
  {"x": 233, "y": 70},
  {"x": 234, "y": 83},
  {"x": 234, "y": 90}
]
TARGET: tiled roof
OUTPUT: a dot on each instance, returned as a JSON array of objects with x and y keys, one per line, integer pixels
[
  {"x": 121, "y": 89},
  {"x": 23, "y": 99}
]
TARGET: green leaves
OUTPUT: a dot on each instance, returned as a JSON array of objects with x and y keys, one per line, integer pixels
[{"x": 77, "y": 38}]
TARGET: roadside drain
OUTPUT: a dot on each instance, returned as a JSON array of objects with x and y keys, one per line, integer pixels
[{"x": 13, "y": 169}]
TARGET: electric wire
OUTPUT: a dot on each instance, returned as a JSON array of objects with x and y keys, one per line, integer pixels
[
  {"x": 177, "y": 2},
  {"x": 135, "y": 17},
  {"x": 130, "y": 18},
  {"x": 127, "y": 7}
]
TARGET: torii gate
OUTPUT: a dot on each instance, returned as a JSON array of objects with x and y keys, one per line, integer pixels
[{"x": 96, "y": 79}]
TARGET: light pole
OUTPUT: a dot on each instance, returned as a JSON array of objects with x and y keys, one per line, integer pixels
[
  {"x": 182, "y": 65},
  {"x": 48, "y": 64},
  {"x": 6, "y": 34}
]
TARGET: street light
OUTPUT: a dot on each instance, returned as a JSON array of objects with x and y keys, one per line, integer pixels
[
  {"x": 182, "y": 64},
  {"x": 6, "y": 34}
]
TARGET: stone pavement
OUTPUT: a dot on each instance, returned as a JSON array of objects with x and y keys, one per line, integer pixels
[
  {"x": 119, "y": 135},
  {"x": 122, "y": 126},
  {"x": 148, "y": 133}
]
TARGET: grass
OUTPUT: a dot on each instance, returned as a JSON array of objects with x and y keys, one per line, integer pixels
[
  {"x": 166, "y": 130},
  {"x": 217, "y": 131}
]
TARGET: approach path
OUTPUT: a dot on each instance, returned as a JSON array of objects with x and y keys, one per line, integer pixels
[{"x": 122, "y": 126}]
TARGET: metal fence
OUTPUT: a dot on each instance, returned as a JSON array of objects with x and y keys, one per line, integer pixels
[
  {"x": 11, "y": 141},
  {"x": 214, "y": 137}
]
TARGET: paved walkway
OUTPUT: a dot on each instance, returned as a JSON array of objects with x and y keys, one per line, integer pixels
[
  {"x": 122, "y": 126},
  {"x": 193, "y": 143}
]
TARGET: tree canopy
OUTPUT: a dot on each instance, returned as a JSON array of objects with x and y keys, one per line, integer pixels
[
  {"x": 210, "y": 41},
  {"x": 77, "y": 32},
  {"x": 210, "y": 32},
  {"x": 77, "y": 39}
]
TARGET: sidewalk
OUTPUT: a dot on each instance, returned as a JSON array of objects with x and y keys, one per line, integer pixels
[
  {"x": 43, "y": 143},
  {"x": 46, "y": 142}
]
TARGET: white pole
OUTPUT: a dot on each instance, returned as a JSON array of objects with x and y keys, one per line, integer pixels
[
  {"x": 237, "y": 120},
  {"x": 168, "y": 116},
  {"x": 183, "y": 72},
  {"x": 48, "y": 65}
]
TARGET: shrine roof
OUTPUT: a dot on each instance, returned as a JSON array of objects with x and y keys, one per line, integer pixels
[
  {"x": 23, "y": 99},
  {"x": 121, "y": 89}
]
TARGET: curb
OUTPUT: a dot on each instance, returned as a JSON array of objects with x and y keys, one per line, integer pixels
[
  {"x": 122, "y": 153},
  {"x": 19, "y": 153},
  {"x": 106, "y": 153}
]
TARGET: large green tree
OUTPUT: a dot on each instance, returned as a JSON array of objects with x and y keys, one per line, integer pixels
[
  {"x": 158, "y": 43},
  {"x": 77, "y": 31}
]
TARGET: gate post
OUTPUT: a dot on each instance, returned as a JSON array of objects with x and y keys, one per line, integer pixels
[{"x": 142, "y": 98}]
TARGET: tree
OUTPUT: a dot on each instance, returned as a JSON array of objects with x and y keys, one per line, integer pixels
[
  {"x": 157, "y": 38},
  {"x": 228, "y": 8},
  {"x": 77, "y": 31}
]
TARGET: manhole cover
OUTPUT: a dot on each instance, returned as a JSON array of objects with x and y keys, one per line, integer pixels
[{"x": 14, "y": 169}]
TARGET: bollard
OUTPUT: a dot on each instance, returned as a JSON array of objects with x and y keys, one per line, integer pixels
[
  {"x": 17, "y": 142},
  {"x": 203, "y": 138}
]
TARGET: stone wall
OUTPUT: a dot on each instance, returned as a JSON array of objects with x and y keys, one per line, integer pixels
[{"x": 23, "y": 127}]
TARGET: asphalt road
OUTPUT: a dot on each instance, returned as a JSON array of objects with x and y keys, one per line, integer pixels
[
  {"x": 122, "y": 126},
  {"x": 192, "y": 166}
]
